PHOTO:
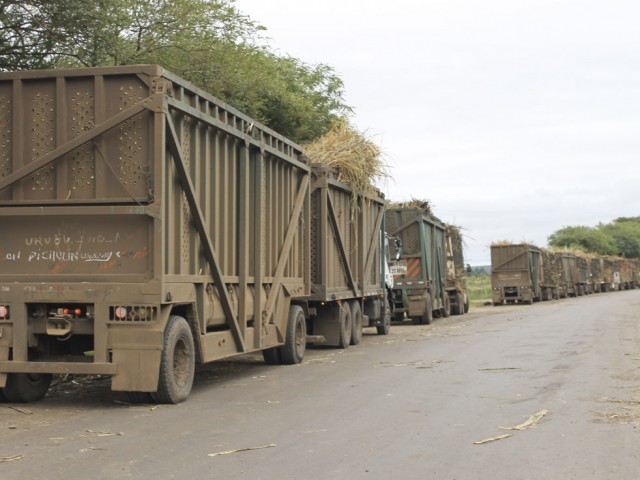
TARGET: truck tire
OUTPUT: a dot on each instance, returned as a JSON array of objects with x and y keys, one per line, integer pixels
[
  {"x": 2, "y": 397},
  {"x": 344, "y": 325},
  {"x": 427, "y": 317},
  {"x": 466, "y": 303},
  {"x": 386, "y": 319},
  {"x": 177, "y": 363},
  {"x": 356, "y": 322},
  {"x": 26, "y": 387},
  {"x": 457, "y": 308},
  {"x": 295, "y": 342},
  {"x": 446, "y": 309}
]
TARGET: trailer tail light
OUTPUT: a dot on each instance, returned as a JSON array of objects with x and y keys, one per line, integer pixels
[
  {"x": 136, "y": 313},
  {"x": 4, "y": 312},
  {"x": 71, "y": 312}
]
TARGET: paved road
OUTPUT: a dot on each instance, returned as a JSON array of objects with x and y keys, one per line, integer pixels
[{"x": 407, "y": 406}]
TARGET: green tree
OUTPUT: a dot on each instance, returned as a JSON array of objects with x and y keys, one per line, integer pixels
[
  {"x": 584, "y": 238},
  {"x": 626, "y": 235},
  {"x": 208, "y": 42}
]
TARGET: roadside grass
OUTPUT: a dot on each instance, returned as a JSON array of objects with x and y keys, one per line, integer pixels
[{"x": 479, "y": 290}]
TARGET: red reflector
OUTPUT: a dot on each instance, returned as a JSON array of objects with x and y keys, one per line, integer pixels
[
  {"x": 3, "y": 311},
  {"x": 77, "y": 311},
  {"x": 121, "y": 312},
  {"x": 66, "y": 311}
]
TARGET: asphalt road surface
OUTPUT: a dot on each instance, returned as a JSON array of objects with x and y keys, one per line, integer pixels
[{"x": 416, "y": 404}]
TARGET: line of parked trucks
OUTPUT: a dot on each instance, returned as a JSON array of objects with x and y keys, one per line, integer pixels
[
  {"x": 524, "y": 273},
  {"x": 148, "y": 227}
]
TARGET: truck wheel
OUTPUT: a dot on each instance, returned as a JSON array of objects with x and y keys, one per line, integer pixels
[
  {"x": 177, "y": 364},
  {"x": 26, "y": 387},
  {"x": 466, "y": 303},
  {"x": 356, "y": 322},
  {"x": 295, "y": 342},
  {"x": 386, "y": 319},
  {"x": 2, "y": 397},
  {"x": 446, "y": 309},
  {"x": 344, "y": 325},
  {"x": 457, "y": 307},
  {"x": 427, "y": 316},
  {"x": 272, "y": 356}
]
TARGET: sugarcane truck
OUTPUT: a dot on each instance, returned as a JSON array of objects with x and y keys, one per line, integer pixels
[
  {"x": 149, "y": 227},
  {"x": 420, "y": 290}
]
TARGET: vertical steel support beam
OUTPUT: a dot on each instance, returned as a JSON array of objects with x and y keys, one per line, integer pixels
[
  {"x": 18, "y": 134},
  {"x": 258, "y": 253},
  {"x": 286, "y": 248},
  {"x": 375, "y": 238},
  {"x": 341, "y": 248},
  {"x": 243, "y": 236},
  {"x": 199, "y": 223}
]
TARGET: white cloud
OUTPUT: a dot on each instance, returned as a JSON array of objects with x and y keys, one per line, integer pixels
[{"x": 514, "y": 118}]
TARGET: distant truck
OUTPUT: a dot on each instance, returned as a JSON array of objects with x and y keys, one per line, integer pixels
[
  {"x": 516, "y": 274},
  {"x": 420, "y": 289},
  {"x": 148, "y": 226},
  {"x": 597, "y": 275}
]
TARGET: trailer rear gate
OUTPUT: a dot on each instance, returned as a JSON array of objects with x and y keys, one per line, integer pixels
[
  {"x": 422, "y": 283},
  {"x": 132, "y": 196}
]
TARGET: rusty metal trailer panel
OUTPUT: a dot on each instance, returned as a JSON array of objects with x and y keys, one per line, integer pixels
[
  {"x": 420, "y": 274},
  {"x": 597, "y": 275},
  {"x": 628, "y": 273},
  {"x": 516, "y": 273},
  {"x": 583, "y": 275},
  {"x": 347, "y": 255},
  {"x": 569, "y": 279},
  {"x": 143, "y": 220},
  {"x": 550, "y": 285}
]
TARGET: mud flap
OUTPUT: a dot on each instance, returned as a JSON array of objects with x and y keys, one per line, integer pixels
[{"x": 138, "y": 370}]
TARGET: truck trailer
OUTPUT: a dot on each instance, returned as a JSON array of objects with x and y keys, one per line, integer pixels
[
  {"x": 516, "y": 273},
  {"x": 420, "y": 275},
  {"x": 456, "y": 271},
  {"x": 148, "y": 227}
]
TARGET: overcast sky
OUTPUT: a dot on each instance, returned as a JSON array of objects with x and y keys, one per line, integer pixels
[{"x": 514, "y": 118}]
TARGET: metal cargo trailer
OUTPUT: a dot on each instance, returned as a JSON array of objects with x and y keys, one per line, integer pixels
[
  {"x": 568, "y": 273},
  {"x": 597, "y": 276},
  {"x": 625, "y": 267},
  {"x": 420, "y": 273},
  {"x": 635, "y": 273},
  {"x": 347, "y": 255},
  {"x": 146, "y": 226},
  {"x": 456, "y": 273},
  {"x": 583, "y": 283},
  {"x": 516, "y": 273},
  {"x": 611, "y": 275},
  {"x": 550, "y": 276}
]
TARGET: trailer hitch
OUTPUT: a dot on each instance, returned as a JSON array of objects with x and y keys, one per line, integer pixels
[{"x": 59, "y": 326}]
